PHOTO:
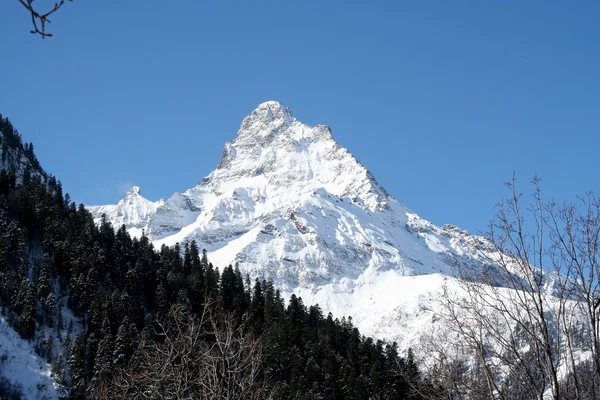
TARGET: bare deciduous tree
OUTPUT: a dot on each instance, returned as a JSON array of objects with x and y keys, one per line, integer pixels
[{"x": 206, "y": 358}]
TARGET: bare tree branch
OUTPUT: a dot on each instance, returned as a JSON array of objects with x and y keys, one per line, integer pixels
[
  {"x": 210, "y": 357},
  {"x": 40, "y": 19}
]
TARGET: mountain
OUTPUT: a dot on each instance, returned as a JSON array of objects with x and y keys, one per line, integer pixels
[{"x": 289, "y": 204}]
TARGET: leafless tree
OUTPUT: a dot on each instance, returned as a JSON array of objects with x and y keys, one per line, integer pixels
[
  {"x": 210, "y": 357},
  {"x": 528, "y": 329},
  {"x": 574, "y": 231},
  {"x": 39, "y": 19}
]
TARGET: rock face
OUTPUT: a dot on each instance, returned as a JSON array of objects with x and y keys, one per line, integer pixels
[{"x": 289, "y": 204}]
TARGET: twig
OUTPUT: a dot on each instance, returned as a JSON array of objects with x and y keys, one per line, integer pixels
[{"x": 39, "y": 20}]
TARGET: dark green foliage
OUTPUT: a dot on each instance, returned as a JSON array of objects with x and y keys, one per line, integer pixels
[
  {"x": 232, "y": 294},
  {"x": 103, "y": 365},
  {"x": 125, "y": 342},
  {"x": 77, "y": 367},
  {"x": 211, "y": 282},
  {"x": 121, "y": 290},
  {"x": 27, "y": 316}
]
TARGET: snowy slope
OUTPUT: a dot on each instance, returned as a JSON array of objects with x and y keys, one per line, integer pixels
[
  {"x": 22, "y": 367},
  {"x": 289, "y": 204}
]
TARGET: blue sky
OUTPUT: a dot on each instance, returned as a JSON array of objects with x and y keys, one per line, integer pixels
[{"x": 441, "y": 100}]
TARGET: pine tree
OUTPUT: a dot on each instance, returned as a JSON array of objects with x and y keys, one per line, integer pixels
[
  {"x": 27, "y": 317},
  {"x": 227, "y": 290},
  {"x": 95, "y": 316},
  {"x": 122, "y": 254},
  {"x": 241, "y": 298},
  {"x": 103, "y": 365},
  {"x": 211, "y": 280},
  {"x": 135, "y": 293},
  {"x": 161, "y": 303},
  {"x": 43, "y": 282},
  {"x": 196, "y": 280},
  {"x": 257, "y": 308},
  {"x": 187, "y": 260},
  {"x": 377, "y": 377},
  {"x": 125, "y": 342},
  {"x": 296, "y": 313},
  {"x": 91, "y": 349},
  {"x": 77, "y": 368},
  {"x": 194, "y": 255}
]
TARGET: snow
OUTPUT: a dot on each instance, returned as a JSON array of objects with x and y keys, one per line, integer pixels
[
  {"x": 23, "y": 367},
  {"x": 399, "y": 308},
  {"x": 226, "y": 255}
]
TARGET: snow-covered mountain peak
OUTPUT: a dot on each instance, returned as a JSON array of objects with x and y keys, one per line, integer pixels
[
  {"x": 278, "y": 155},
  {"x": 290, "y": 204}
]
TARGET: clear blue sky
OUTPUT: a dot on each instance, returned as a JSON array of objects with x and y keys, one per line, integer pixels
[{"x": 440, "y": 100}]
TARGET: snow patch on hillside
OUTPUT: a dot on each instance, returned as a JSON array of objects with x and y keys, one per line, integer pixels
[{"x": 21, "y": 366}]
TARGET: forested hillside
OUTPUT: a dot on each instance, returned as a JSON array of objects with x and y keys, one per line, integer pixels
[{"x": 117, "y": 318}]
